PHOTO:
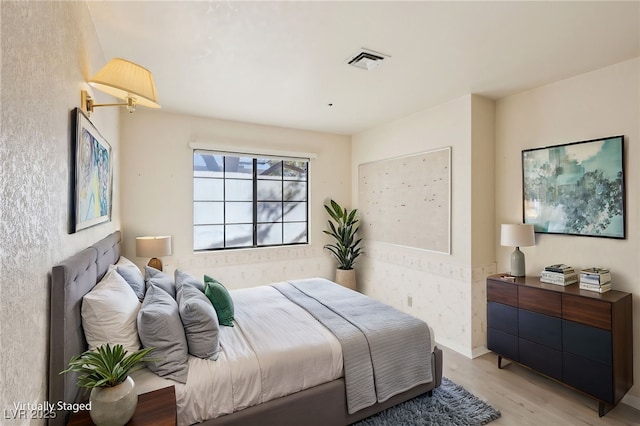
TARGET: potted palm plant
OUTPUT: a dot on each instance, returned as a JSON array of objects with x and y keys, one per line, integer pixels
[
  {"x": 106, "y": 372},
  {"x": 343, "y": 229}
]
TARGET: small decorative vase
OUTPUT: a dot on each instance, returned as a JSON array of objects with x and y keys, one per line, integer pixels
[
  {"x": 346, "y": 278},
  {"x": 113, "y": 406}
]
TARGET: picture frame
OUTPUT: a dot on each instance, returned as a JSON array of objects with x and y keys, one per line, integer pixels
[
  {"x": 92, "y": 175},
  {"x": 576, "y": 188}
]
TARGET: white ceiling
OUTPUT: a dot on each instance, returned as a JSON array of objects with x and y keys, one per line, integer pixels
[{"x": 282, "y": 63}]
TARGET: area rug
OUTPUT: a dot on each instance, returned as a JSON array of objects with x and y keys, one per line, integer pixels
[{"x": 451, "y": 404}]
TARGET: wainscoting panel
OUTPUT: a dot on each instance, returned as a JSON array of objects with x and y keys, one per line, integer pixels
[{"x": 450, "y": 297}]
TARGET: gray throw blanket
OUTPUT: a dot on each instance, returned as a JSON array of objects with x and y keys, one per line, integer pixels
[{"x": 385, "y": 351}]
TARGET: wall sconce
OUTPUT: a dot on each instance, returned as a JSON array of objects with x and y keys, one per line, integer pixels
[
  {"x": 517, "y": 235},
  {"x": 124, "y": 80},
  {"x": 153, "y": 247}
]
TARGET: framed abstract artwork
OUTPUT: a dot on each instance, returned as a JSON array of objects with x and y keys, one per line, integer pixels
[
  {"x": 406, "y": 201},
  {"x": 576, "y": 188},
  {"x": 92, "y": 175}
]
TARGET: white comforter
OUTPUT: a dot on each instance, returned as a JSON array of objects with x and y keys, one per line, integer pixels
[{"x": 276, "y": 348}]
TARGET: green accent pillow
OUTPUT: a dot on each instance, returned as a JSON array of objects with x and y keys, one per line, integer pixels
[{"x": 221, "y": 300}]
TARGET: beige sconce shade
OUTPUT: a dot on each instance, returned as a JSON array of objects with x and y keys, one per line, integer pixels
[
  {"x": 153, "y": 247},
  {"x": 124, "y": 80}
]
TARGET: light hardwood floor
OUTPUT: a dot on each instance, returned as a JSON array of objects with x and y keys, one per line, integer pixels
[{"x": 527, "y": 398}]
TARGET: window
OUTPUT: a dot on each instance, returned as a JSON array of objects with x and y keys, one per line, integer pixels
[{"x": 244, "y": 201}]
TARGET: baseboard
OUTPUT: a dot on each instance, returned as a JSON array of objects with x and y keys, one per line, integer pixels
[
  {"x": 475, "y": 353},
  {"x": 632, "y": 401},
  {"x": 454, "y": 347}
]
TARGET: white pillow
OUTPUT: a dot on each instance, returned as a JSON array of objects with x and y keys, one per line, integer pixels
[
  {"x": 109, "y": 313},
  {"x": 123, "y": 261},
  {"x": 132, "y": 275}
]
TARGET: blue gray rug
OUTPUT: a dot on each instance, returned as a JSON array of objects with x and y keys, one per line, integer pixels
[{"x": 450, "y": 405}]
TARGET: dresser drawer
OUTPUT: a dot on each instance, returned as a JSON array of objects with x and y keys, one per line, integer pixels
[
  {"x": 502, "y": 343},
  {"x": 584, "y": 310},
  {"x": 501, "y": 292},
  {"x": 588, "y": 342},
  {"x": 540, "y": 328},
  {"x": 502, "y": 317},
  {"x": 541, "y": 301},
  {"x": 541, "y": 358},
  {"x": 588, "y": 376}
]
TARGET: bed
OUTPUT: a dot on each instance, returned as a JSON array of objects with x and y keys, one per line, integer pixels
[{"x": 322, "y": 404}]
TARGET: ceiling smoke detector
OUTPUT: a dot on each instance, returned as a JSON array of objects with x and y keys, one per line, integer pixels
[{"x": 366, "y": 59}]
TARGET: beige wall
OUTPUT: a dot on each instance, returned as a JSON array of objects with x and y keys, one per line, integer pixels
[
  {"x": 602, "y": 103},
  {"x": 157, "y": 173},
  {"x": 446, "y": 290},
  {"x": 48, "y": 50}
]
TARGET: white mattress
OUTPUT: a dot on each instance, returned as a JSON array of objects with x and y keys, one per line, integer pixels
[{"x": 276, "y": 348}]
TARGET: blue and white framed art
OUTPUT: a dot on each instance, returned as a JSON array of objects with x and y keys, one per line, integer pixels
[
  {"x": 92, "y": 175},
  {"x": 576, "y": 188}
]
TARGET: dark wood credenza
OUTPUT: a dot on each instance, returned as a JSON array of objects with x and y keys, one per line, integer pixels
[{"x": 581, "y": 338}]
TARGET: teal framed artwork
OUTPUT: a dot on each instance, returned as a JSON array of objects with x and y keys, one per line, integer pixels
[{"x": 576, "y": 188}]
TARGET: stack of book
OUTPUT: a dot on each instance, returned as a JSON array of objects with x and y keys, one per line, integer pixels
[
  {"x": 559, "y": 274},
  {"x": 595, "y": 279}
]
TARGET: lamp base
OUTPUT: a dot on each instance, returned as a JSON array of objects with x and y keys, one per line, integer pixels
[
  {"x": 517, "y": 263},
  {"x": 157, "y": 263}
]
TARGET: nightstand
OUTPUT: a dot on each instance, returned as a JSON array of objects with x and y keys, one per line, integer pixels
[{"x": 156, "y": 408}]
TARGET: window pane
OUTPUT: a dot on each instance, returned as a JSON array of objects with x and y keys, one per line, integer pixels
[
  {"x": 269, "y": 190},
  {"x": 208, "y": 237},
  {"x": 295, "y": 233},
  {"x": 239, "y": 236},
  {"x": 208, "y": 189},
  {"x": 269, "y": 233},
  {"x": 238, "y": 190},
  {"x": 207, "y": 165},
  {"x": 248, "y": 201},
  {"x": 295, "y": 170},
  {"x": 208, "y": 213},
  {"x": 295, "y": 212},
  {"x": 269, "y": 169},
  {"x": 239, "y": 212},
  {"x": 295, "y": 191},
  {"x": 269, "y": 212},
  {"x": 238, "y": 167}
]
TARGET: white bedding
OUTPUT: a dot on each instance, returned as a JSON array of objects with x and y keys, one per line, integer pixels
[{"x": 276, "y": 348}]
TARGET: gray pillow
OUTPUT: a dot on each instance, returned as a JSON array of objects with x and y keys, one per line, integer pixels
[
  {"x": 133, "y": 277},
  {"x": 159, "y": 326},
  {"x": 200, "y": 322},
  {"x": 160, "y": 279},
  {"x": 182, "y": 278}
]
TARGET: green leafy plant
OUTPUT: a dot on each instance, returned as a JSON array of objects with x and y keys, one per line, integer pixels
[
  {"x": 345, "y": 249},
  {"x": 107, "y": 366}
]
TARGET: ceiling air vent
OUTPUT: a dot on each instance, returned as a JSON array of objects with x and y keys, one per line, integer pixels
[{"x": 366, "y": 59}]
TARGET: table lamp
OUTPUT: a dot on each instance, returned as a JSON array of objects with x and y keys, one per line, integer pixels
[
  {"x": 153, "y": 247},
  {"x": 517, "y": 235}
]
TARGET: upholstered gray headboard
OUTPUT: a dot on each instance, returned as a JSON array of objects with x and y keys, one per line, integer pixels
[{"x": 70, "y": 281}]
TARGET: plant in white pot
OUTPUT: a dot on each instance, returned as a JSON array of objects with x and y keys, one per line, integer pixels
[
  {"x": 345, "y": 249},
  {"x": 106, "y": 372}
]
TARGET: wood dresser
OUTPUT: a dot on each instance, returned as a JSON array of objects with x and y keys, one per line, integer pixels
[{"x": 581, "y": 338}]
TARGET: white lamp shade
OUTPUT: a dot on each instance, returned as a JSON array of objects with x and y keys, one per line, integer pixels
[
  {"x": 123, "y": 79},
  {"x": 517, "y": 235},
  {"x": 153, "y": 246}
]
